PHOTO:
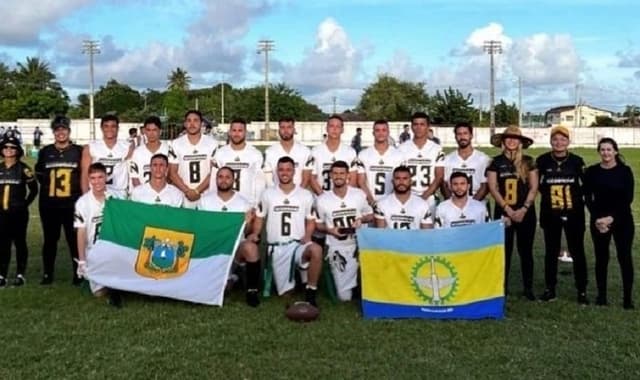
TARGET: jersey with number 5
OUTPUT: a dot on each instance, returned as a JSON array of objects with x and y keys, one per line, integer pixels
[
  {"x": 194, "y": 160},
  {"x": 286, "y": 214},
  {"x": 422, "y": 162},
  {"x": 378, "y": 169}
]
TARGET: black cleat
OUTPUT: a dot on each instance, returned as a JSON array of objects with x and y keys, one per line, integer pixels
[
  {"x": 582, "y": 299},
  {"x": 528, "y": 294},
  {"x": 115, "y": 298},
  {"x": 549, "y": 295},
  {"x": 46, "y": 280},
  {"x": 3, "y": 282},
  {"x": 253, "y": 299},
  {"x": 19, "y": 280},
  {"x": 627, "y": 304},
  {"x": 310, "y": 296},
  {"x": 76, "y": 281},
  {"x": 601, "y": 301}
]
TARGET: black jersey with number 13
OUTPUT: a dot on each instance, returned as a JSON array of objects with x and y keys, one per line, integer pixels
[{"x": 58, "y": 172}]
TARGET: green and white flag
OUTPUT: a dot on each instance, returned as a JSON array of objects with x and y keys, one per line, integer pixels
[{"x": 165, "y": 251}]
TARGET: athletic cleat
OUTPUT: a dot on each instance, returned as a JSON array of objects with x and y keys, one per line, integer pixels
[
  {"x": 582, "y": 299},
  {"x": 77, "y": 281},
  {"x": 565, "y": 257},
  {"x": 310, "y": 296},
  {"x": 115, "y": 298},
  {"x": 601, "y": 301},
  {"x": 549, "y": 295},
  {"x": 252, "y": 298},
  {"x": 3, "y": 282},
  {"x": 46, "y": 280},
  {"x": 19, "y": 280},
  {"x": 528, "y": 294}
]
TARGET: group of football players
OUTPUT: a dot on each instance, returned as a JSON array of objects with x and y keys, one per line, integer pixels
[{"x": 310, "y": 202}]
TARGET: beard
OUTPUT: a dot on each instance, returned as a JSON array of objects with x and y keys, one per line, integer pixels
[
  {"x": 401, "y": 189},
  {"x": 224, "y": 187},
  {"x": 463, "y": 143}
]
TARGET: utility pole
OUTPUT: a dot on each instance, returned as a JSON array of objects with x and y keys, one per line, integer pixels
[
  {"x": 492, "y": 47},
  {"x": 481, "y": 110},
  {"x": 222, "y": 101},
  {"x": 334, "y": 100},
  {"x": 577, "y": 105},
  {"x": 265, "y": 46},
  {"x": 520, "y": 102},
  {"x": 91, "y": 48}
]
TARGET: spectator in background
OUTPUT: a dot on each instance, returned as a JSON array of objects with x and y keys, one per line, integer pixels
[
  {"x": 37, "y": 137},
  {"x": 133, "y": 137},
  {"x": 1, "y": 131},
  {"x": 432, "y": 137},
  {"x": 356, "y": 141},
  {"x": 405, "y": 135}
]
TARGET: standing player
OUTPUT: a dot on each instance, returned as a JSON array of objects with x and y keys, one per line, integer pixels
[
  {"x": 376, "y": 164},
  {"x": 139, "y": 169},
  {"x": 290, "y": 221},
  {"x": 245, "y": 161},
  {"x": 340, "y": 212},
  {"x": 425, "y": 160},
  {"x": 157, "y": 191},
  {"x": 562, "y": 207},
  {"x": 110, "y": 152},
  {"x": 402, "y": 209},
  {"x": 58, "y": 171},
  {"x": 328, "y": 152},
  {"x": 190, "y": 159},
  {"x": 287, "y": 147},
  {"x": 225, "y": 199},
  {"x": 460, "y": 209},
  {"x": 18, "y": 188},
  {"x": 467, "y": 160}
]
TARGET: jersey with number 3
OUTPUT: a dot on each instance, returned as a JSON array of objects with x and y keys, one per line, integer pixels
[
  {"x": 114, "y": 159},
  {"x": 286, "y": 214},
  {"x": 378, "y": 169},
  {"x": 246, "y": 165},
  {"x": 88, "y": 215},
  {"x": 322, "y": 158},
  {"x": 193, "y": 160},
  {"x": 422, "y": 162}
]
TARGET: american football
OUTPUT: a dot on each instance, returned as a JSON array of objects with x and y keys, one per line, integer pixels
[{"x": 302, "y": 312}]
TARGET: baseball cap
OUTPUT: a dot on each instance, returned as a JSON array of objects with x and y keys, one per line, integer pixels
[{"x": 61, "y": 121}]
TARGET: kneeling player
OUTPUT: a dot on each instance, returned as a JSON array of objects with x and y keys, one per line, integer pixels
[
  {"x": 290, "y": 220},
  {"x": 225, "y": 199},
  {"x": 460, "y": 209},
  {"x": 340, "y": 212},
  {"x": 402, "y": 209},
  {"x": 157, "y": 191}
]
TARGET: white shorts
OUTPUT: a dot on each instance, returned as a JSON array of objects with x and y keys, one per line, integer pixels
[
  {"x": 344, "y": 268},
  {"x": 286, "y": 259}
]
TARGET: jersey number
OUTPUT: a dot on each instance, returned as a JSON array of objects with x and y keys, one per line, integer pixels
[
  {"x": 285, "y": 223},
  {"x": 561, "y": 197},
  {"x": 344, "y": 222},
  {"x": 146, "y": 176},
  {"x": 96, "y": 232},
  {"x": 511, "y": 191},
  {"x": 425, "y": 175},
  {"x": 194, "y": 172},
  {"x": 60, "y": 183},
  {"x": 380, "y": 183},
  {"x": 401, "y": 225},
  {"x": 236, "y": 180},
  {"x": 326, "y": 180},
  {"x": 109, "y": 169}
]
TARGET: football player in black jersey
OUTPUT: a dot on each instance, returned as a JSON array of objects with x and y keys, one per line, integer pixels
[
  {"x": 512, "y": 179},
  {"x": 18, "y": 188},
  {"x": 58, "y": 171},
  {"x": 562, "y": 208}
]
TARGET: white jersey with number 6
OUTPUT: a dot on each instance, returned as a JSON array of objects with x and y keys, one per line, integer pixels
[
  {"x": 422, "y": 162},
  {"x": 194, "y": 161},
  {"x": 322, "y": 158},
  {"x": 299, "y": 153},
  {"x": 115, "y": 161},
  {"x": 338, "y": 212},
  {"x": 409, "y": 215},
  {"x": 474, "y": 167},
  {"x": 378, "y": 168},
  {"x": 246, "y": 164},
  {"x": 88, "y": 215},
  {"x": 286, "y": 213},
  {"x": 450, "y": 215},
  {"x": 140, "y": 162}
]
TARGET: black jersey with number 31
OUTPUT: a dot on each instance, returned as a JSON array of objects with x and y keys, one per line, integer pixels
[
  {"x": 58, "y": 172},
  {"x": 560, "y": 185}
]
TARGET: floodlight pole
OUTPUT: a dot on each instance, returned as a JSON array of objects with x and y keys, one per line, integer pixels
[
  {"x": 91, "y": 48},
  {"x": 492, "y": 47},
  {"x": 265, "y": 46}
]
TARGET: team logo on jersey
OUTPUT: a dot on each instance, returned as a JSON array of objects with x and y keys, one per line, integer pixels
[
  {"x": 381, "y": 162},
  {"x": 286, "y": 201},
  {"x": 237, "y": 159},
  {"x": 333, "y": 159},
  {"x": 224, "y": 208},
  {"x": 342, "y": 205},
  {"x": 164, "y": 253},
  {"x": 434, "y": 280},
  {"x": 158, "y": 200},
  {"x": 464, "y": 165},
  {"x": 402, "y": 211},
  {"x": 419, "y": 155},
  {"x": 195, "y": 151}
]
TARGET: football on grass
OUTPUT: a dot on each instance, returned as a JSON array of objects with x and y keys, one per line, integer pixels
[{"x": 302, "y": 312}]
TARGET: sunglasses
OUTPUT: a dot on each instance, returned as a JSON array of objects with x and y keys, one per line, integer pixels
[{"x": 10, "y": 147}]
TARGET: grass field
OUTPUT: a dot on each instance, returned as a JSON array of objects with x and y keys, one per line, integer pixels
[{"x": 59, "y": 333}]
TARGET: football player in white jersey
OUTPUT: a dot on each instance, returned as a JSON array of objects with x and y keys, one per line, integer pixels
[
  {"x": 225, "y": 199},
  {"x": 190, "y": 159},
  {"x": 290, "y": 221},
  {"x": 88, "y": 220},
  {"x": 402, "y": 209},
  {"x": 467, "y": 160},
  {"x": 139, "y": 164},
  {"x": 460, "y": 209},
  {"x": 157, "y": 191},
  {"x": 328, "y": 152},
  {"x": 376, "y": 164},
  {"x": 287, "y": 146},
  {"x": 340, "y": 212},
  {"x": 110, "y": 152},
  {"x": 424, "y": 158},
  {"x": 245, "y": 161}
]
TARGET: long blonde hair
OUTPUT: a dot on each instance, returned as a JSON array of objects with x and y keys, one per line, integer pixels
[{"x": 522, "y": 167}]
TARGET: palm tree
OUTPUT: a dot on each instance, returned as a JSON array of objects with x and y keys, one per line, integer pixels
[
  {"x": 35, "y": 74},
  {"x": 179, "y": 80}
]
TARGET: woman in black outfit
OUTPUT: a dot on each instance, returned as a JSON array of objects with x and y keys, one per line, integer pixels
[{"x": 608, "y": 189}]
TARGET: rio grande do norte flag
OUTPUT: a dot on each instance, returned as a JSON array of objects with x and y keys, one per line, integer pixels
[
  {"x": 452, "y": 273},
  {"x": 165, "y": 251}
]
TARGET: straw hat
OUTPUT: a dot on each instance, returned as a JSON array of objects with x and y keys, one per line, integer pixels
[{"x": 514, "y": 132}]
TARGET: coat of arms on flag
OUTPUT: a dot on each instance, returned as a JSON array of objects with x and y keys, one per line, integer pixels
[{"x": 164, "y": 253}]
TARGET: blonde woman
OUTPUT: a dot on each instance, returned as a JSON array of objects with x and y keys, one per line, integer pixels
[{"x": 512, "y": 179}]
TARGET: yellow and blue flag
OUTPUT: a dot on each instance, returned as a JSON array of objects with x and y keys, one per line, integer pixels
[{"x": 451, "y": 273}]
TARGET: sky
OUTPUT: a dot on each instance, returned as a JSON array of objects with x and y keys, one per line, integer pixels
[{"x": 560, "y": 50}]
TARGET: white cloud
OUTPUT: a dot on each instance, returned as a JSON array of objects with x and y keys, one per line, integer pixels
[
  {"x": 545, "y": 59},
  {"x": 24, "y": 20},
  {"x": 402, "y": 67}
]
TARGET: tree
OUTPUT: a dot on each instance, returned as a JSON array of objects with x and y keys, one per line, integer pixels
[
  {"x": 506, "y": 114},
  {"x": 605, "y": 121},
  {"x": 175, "y": 103},
  {"x": 178, "y": 80},
  {"x": 118, "y": 98},
  {"x": 392, "y": 99},
  {"x": 35, "y": 75},
  {"x": 451, "y": 106},
  {"x": 38, "y": 94}
]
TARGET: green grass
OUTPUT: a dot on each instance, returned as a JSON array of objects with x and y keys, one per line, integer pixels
[{"x": 59, "y": 332}]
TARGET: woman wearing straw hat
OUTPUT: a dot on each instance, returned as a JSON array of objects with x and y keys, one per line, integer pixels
[
  {"x": 562, "y": 207},
  {"x": 512, "y": 179}
]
